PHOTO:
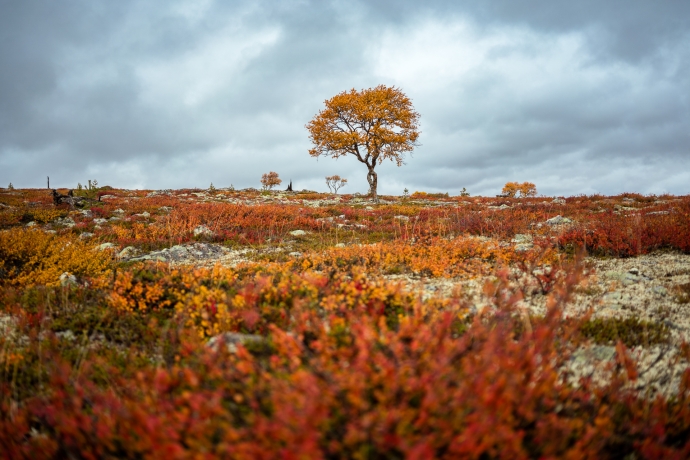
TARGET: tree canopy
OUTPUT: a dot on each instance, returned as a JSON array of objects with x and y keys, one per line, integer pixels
[{"x": 372, "y": 125}]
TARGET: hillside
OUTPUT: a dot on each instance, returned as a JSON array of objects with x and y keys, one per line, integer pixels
[{"x": 250, "y": 324}]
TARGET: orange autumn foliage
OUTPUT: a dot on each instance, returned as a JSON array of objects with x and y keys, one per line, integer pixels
[
  {"x": 32, "y": 257},
  {"x": 515, "y": 189},
  {"x": 372, "y": 125}
]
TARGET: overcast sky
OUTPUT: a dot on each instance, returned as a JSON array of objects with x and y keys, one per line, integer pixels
[{"x": 579, "y": 97}]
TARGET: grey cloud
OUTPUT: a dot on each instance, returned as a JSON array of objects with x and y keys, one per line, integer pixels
[{"x": 174, "y": 94}]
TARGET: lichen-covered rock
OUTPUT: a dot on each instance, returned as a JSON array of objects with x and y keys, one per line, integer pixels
[{"x": 203, "y": 230}]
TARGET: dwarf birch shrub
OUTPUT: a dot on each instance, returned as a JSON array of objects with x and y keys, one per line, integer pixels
[{"x": 32, "y": 257}]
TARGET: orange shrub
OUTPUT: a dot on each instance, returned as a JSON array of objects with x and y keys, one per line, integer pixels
[{"x": 33, "y": 257}]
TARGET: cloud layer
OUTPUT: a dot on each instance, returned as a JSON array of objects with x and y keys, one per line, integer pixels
[{"x": 577, "y": 97}]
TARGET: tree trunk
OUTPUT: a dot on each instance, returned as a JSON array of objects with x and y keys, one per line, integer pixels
[{"x": 373, "y": 179}]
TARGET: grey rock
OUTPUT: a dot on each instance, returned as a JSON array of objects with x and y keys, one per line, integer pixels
[
  {"x": 660, "y": 290},
  {"x": 86, "y": 213},
  {"x": 104, "y": 246},
  {"x": 31, "y": 224},
  {"x": 626, "y": 278},
  {"x": 85, "y": 235},
  {"x": 613, "y": 297},
  {"x": 522, "y": 247},
  {"x": 522, "y": 238},
  {"x": 523, "y": 242},
  {"x": 403, "y": 218},
  {"x": 558, "y": 201},
  {"x": 100, "y": 220},
  {"x": 558, "y": 220},
  {"x": 595, "y": 352},
  {"x": 119, "y": 211},
  {"x": 128, "y": 252},
  {"x": 203, "y": 230},
  {"x": 232, "y": 340},
  {"x": 66, "y": 335},
  {"x": 295, "y": 254},
  {"x": 298, "y": 233},
  {"x": 67, "y": 222},
  {"x": 184, "y": 254},
  {"x": 340, "y": 245},
  {"x": 68, "y": 279}
]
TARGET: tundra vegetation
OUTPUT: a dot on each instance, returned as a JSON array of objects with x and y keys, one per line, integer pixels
[{"x": 249, "y": 324}]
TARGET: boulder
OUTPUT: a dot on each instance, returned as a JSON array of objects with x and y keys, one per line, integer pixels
[{"x": 558, "y": 220}]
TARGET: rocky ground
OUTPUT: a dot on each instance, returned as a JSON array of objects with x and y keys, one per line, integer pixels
[{"x": 653, "y": 287}]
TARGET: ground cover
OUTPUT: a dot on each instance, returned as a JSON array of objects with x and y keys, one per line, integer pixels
[{"x": 250, "y": 324}]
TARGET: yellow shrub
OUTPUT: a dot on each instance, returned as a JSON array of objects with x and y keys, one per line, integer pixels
[
  {"x": 32, "y": 257},
  {"x": 44, "y": 216}
]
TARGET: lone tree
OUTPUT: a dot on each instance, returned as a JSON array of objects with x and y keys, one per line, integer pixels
[
  {"x": 335, "y": 182},
  {"x": 270, "y": 180},
  {"x": 372, "y": 125}
]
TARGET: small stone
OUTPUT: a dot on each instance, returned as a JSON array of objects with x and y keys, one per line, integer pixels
[
  {"x": 232, "y": 339},
  {"x": 203, "y": 230},
  {"x": 558, "y": 201},
  {"x": 128, "y": 252},
  {"x": 67, "y": 222},
  {"x": 68, "y": 279},
  {"x": 340, "y": 245},
  {"x": 295, "y": 254},
  {"x": 66, "y": 335},
  {"x": 634, "y": 271},
  {"x": 119, "y": 211},
  {"x": 558, "y": 220},
  {"x": 100, "y": 220},
  {"x": 523, "y": 247},
  {"x": 31, "y": 224},
  {"x": 522, "y": 238},
  {"x": 403, "y": 218},
  {"x": 298, "y": 233},
  {"x": 85, "y": 235},
  {"x": 369, "y": 208},
  {"x": 660, "y": 290},
  {"x": 104, "y": 246}
]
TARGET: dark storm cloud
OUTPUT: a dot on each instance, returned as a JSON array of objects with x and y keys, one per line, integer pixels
[{"x": 577, "y": 97}]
